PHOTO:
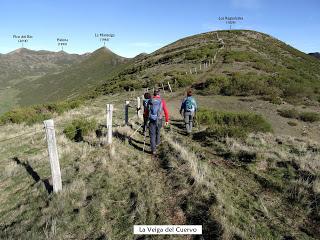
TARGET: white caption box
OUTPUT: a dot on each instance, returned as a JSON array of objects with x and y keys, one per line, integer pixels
[{"x": 167, "y": 229}]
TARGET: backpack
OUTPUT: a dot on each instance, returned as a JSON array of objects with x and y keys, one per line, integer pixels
[
  {"x": 189, "y": 104},
  {"x": 155, "y": 109}
]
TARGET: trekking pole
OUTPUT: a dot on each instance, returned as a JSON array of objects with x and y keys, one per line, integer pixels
[
  {"x": 144, "y": 137},
  {"x": 135, "y": 131}
]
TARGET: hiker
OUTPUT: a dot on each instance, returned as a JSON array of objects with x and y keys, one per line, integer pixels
[
  {"x": 156, "y": 107},
  {"x": 189, "y": 108},
  {"x": 146, "y": 99}
]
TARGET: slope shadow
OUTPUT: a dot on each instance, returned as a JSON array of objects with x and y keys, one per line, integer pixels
[
  {"x": 139, "y": 142},
  {"x": 35, "y": 176},
  {"x": 178, "y": 123},
  {"x": 133, "y": 142}
]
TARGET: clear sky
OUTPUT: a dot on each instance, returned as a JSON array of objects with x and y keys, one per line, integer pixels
[{"x": 146, "y": 25}]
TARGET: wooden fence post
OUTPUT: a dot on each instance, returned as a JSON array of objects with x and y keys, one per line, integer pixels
[
  {"x": 195, "y": 70},
  {"x": 126, "y": 113},
  {"x": 139, "y": 110},
  {"x": 169, "y": 87},
  {"x": 164, "y": 92},
  {"x": 190, "y": 70},
  {"x": 53, "y": 155},
  {"x": 109, "y": 123}
]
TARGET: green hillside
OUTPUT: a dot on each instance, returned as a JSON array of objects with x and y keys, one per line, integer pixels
[
  {"x": 246, "y": 63},
  {"x": 79, "y": 78},
  {"x": 24, "y": 65},
  {"x": 250, "y": 170}
]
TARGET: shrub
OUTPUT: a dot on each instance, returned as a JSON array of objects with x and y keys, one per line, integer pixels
[
  {"x": 79, "y": 128},
  {"x": 184, "y": 80},
  {"x": 222, "y": 131},
  {"x": 38, "y": 113},
  {"x": 292, "y": 123},
  {"x": 247, "y": 122},
  {"x": 28, "y": 115},
  {"x": 309, "y": 116},
  {"x": 289, "y": 113},
  {"x": 240, "y": 56},
  {"x": 303, "y": 116},
  {"x": 214, "y": 84}
]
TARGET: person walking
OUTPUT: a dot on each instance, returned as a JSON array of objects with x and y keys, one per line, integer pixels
[
  {"x": 188, "y": 109},
  {"x": 156, "y": 107}
]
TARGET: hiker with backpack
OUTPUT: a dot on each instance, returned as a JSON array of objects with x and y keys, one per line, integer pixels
[
  {"x": 156, "y": 107},
  {"x": 188, "y": 108}
]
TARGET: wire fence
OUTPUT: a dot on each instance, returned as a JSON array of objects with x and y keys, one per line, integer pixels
[{"x": 50, "y": 145}]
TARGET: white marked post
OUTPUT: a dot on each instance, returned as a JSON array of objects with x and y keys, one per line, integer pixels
[
  {"x": 167, "y": 229},
  {"x": 164, "y": 92},
  {"x": 53, "y": 155},
  {"x": 139, "y": 108},
  {"x": 169, "y": 87},
  {"x": 109, "y": 123},
  {"x": 126, "y": 113}
]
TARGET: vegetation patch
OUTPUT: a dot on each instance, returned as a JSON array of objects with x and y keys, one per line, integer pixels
[
  {"x": 79, "y": 128},
  {"x": 303, "y": 116},
  {"x": 38, "y": 113},
  {"x": 250, "y": 122}
]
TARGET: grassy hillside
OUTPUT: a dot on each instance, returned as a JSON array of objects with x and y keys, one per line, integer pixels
[
  {"x": 261, "y": 186},
  {"x": 24, "y": 65},
  {"x": 250, "y": 170},
  {"x": 242, "y": 63},
  {"x": 79, "y": 78}
]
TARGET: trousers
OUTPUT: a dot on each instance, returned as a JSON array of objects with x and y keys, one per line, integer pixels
[
  {"x": 188, "y": 120},
  {"x": 154, "y": 132}
]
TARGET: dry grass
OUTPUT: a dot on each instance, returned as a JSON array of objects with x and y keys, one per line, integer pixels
[{"x": 104, "y": 195}]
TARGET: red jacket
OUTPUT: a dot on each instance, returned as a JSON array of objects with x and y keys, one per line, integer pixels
[{"x": 164, "y": 107}]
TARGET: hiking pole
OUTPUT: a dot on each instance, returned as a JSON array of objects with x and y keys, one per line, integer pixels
[
  {"x": 144, "y": 139},
  {"x": 135, "y": 131}
]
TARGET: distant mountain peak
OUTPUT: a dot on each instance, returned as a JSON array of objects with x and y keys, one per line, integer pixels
[
  {"x": 20, "y": 50},
  {"x": 315, "y": 54}
]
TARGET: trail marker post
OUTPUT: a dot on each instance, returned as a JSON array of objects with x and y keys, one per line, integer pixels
[
  {"x": 109, "y": 123},
  {"x": 139, "y": 108},
  {"x": 169, "y": 87},
  {"x": 126, "y": 113},
  {"x": 164, "y": 92},
  {"x": 53, "y": 155}
]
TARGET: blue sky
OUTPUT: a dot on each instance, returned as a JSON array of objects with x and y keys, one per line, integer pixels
[{"x": 146, "y": 25}]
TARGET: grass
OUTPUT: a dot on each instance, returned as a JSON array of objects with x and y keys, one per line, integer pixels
[
  {"x": 38, "y": 113},
  {"x": 303, "y": 116},
  {"x": 232, "y": 123},
  {"x": 79, "y": 128},
  {"x": 235, "y": 188},
  {"x": 261, "y": 187}
]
